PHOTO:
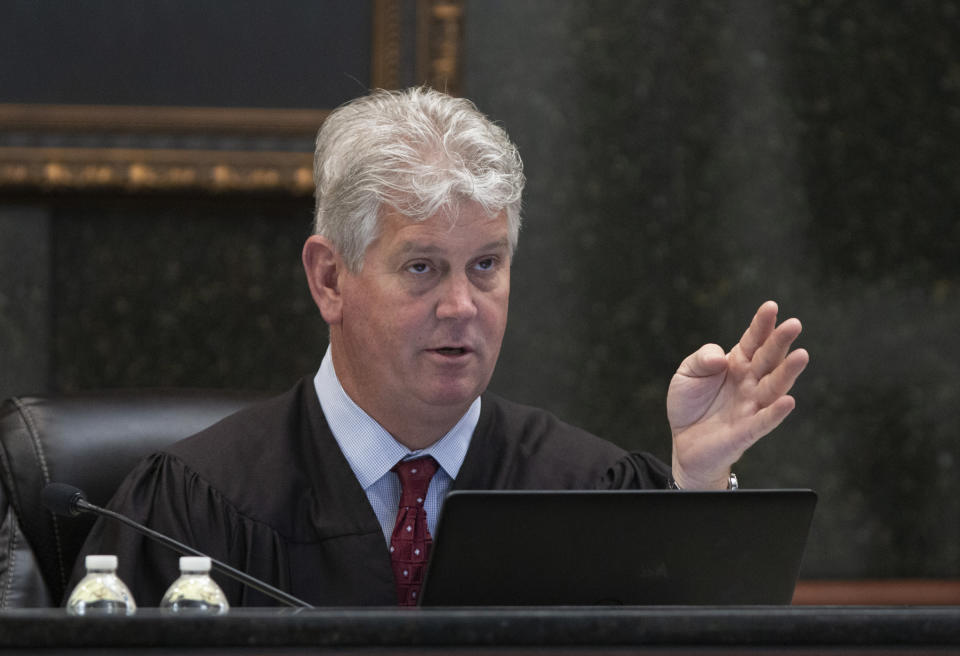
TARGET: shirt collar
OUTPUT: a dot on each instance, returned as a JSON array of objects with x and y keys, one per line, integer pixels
[{"x": 369, "y": 449}]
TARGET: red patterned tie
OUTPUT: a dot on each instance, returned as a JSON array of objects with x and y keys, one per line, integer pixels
[{"x": 410, "y": 542}]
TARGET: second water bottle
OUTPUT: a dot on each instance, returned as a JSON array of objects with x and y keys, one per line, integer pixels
[{"x": 195, "y": 592}]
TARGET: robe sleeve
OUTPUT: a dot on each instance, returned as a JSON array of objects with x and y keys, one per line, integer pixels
[
  {"x": 637, "y": 471},
  {"x": 165, "y": 495}
]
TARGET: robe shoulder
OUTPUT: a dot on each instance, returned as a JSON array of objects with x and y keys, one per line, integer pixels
[
  {"x": 277, "y": 463},
  {"x": 523, "y": 447}
]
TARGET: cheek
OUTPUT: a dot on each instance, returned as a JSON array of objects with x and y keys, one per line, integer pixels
[
  {"x": 370, "y": 308},
  {"x": 499, "y": 303},
  {"x": 403, "y": 323},
  {"x": 366, "y": 323}
]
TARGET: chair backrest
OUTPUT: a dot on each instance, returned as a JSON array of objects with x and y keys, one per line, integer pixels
[{"x": 89, "y": 440}]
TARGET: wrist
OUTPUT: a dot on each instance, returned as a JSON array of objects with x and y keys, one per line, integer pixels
[{"x": 732, "y": 483}]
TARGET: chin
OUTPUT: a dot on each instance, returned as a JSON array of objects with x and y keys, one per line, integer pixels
[{"x": 453, "y": 395}]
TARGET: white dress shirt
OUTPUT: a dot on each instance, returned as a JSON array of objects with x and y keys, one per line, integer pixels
[{"x": 372, "y": 451}]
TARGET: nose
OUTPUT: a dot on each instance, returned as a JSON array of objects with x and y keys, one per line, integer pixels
[{"x": 456, "y": 299}]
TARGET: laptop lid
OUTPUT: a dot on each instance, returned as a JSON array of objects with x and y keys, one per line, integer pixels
[{"x": 548, "y": 548}]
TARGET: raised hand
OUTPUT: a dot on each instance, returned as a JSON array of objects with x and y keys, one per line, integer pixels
[{"x": 719, "y": 404}]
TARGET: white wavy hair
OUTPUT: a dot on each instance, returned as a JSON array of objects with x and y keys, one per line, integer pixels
[{"x": 419, "y": 151}]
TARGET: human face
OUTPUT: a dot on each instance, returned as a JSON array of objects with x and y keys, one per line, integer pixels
[{"x": 422, "y": 322}]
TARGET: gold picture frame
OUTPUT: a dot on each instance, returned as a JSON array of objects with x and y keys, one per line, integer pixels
[{"x": 68, "y": 169}]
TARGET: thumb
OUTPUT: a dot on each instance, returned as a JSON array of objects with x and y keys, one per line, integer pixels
[{"x": 708, "y": 360}]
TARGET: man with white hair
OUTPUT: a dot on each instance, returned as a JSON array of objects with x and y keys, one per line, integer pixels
[{"x": 417, "y": 216}]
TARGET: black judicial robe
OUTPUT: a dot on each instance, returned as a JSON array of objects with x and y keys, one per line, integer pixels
[{"x": 268, "y": 491}]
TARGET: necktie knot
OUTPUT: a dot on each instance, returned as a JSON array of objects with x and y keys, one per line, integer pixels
[{"x": 415, "y": 476}]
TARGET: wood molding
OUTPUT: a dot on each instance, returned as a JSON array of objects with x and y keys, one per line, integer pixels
[
  {"x": 155, "y": 170},
  {"x": 882, "y": 592},
  {"x": 386, "y": 45},
  {"x": 439, "y": 36}
]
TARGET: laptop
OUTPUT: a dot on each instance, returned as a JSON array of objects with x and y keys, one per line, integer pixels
[{"x": 660, "y": 547}]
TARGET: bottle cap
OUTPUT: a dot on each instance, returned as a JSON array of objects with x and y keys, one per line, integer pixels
[
  {"x": 100, "y": 562},
  {"x": 194, "y": 564}
]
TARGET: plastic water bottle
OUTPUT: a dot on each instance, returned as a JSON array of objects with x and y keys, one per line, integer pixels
[
  {"x": 195, "y": 593},
  {"x": 101, "y": 592}
]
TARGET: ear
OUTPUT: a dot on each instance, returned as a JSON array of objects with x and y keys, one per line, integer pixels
[{"x": 324, "y": 267}]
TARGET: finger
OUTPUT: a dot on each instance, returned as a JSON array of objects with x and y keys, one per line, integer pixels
[
  {"x": 708, "y": 360},
  {"x": 779, "y": 381},
  {"x": 761, "y": 326},
  {"x": 769, "y": 356},
  {"x": 769, "y": 418}
]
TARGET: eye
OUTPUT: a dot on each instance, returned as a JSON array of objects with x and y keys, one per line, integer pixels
[
  {"x": 419, "y": 268},
  {"x": 486, "y": 264}
]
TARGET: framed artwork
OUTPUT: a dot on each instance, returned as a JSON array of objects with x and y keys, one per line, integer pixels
[{"x": 209, "y": 96}]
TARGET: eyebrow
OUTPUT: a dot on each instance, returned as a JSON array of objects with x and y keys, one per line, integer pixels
[{"x": 429, "y": 249}]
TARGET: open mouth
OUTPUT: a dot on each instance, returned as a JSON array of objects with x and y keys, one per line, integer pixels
[{"x": 449, "y": 350}]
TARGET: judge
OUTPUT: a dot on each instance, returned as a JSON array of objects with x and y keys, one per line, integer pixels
[{"x": 418, "y": 201}]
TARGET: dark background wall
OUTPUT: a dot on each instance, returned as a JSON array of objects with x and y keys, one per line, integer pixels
[{"x": 686, "y": 161}]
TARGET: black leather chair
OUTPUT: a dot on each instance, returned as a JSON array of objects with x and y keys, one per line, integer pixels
[{"x": 89, "y": 440}]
